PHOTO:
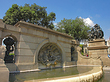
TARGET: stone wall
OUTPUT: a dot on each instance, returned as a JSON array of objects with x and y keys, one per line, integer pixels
[
  {"x": 84, "y": 60},
  {"x": 29, "y": 40},
  {"x": 97, "y": 51}
]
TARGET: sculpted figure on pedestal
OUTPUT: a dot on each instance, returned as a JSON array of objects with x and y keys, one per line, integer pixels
[{"x": 96, "y": 33}]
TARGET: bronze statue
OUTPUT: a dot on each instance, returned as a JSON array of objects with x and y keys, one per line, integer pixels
[
  {"x": 96, "y": 33},
  {"x": 9, "y": 48}
]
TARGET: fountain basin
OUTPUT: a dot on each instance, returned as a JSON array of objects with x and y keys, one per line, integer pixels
[{"x": 75, "y": 74}]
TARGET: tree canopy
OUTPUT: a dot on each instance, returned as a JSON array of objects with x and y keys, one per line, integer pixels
[
  {"x": 76, "y": 28},
  {"x": 33, "y": 14}
]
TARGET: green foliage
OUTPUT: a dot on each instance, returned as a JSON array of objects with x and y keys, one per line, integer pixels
[
  {"x": 11, "y": 54},
  {"x": 82, "y": 51},
  {"x": 76, "y": 28},
  {"x": 34, "y": 14},
  {"x": 81, "y": 45}
]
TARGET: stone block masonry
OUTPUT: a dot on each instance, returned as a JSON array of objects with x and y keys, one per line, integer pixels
[{"x": 30, "y": 38}]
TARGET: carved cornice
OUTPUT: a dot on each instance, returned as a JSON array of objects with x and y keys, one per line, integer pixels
[
  {"x": 97, "y": 47},
  {"x": 97, "y": 40}
]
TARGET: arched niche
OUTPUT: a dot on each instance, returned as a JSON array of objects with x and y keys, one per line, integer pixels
[
  {"x": 50, "y": 54},
  {"x": 72, "y": 53},
  {"x": 14, "y": 45}
]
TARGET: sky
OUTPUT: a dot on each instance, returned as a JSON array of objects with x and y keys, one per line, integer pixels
[{"x": 92, "y": 11}]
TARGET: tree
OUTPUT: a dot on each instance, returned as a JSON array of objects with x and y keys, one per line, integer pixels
[
  {"x": 33, "y": 14},
  {"x": 82, "y": 51},
  {"x": 76, "y": 28}
]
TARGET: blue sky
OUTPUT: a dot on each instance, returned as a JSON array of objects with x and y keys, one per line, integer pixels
[{"x": 92, "y": 11}]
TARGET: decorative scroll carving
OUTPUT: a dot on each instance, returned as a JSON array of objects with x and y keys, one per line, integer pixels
[
  {"x": 49, "y": 54},
  {"x": 96, "y": 33}
]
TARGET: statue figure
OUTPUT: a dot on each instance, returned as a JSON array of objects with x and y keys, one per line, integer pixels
[
  {"x": 96, "y": 33},
  {"x": 9, "y": 48}
]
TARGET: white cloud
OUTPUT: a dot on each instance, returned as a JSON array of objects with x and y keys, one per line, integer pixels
[
  {"x": 55, "y": 24},
  {"x": 88, "y": 21}
]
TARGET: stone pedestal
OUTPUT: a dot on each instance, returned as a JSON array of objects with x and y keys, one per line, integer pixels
[
  {"x": 98, "y": 50},
  {"x": 4, "y": 72}
]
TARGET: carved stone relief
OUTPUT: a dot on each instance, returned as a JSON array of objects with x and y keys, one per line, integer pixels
[{"x": 50, "y": 54}]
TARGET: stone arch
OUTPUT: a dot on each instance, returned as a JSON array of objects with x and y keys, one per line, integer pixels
[
  {"x": 45, "y": 42},
  {"x": 50, "y": 54},
  {"x": 38, "y": 48},
  {"x": 10, "y": 36},
  {"x": 7, "y": 35}
]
